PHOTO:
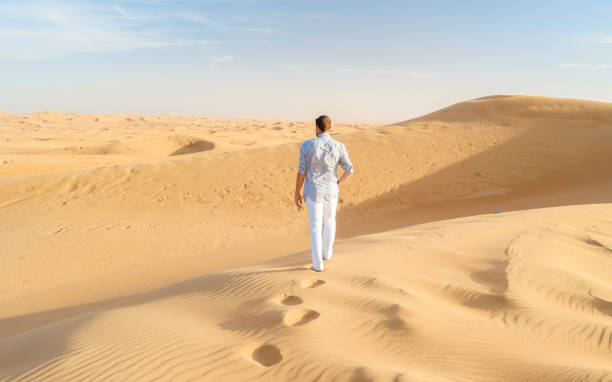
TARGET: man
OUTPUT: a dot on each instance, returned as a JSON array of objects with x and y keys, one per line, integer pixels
[{"x": 319, "y": 159}]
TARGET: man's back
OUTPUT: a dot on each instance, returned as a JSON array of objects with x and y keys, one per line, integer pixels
[{"x": 319, "y": 159}]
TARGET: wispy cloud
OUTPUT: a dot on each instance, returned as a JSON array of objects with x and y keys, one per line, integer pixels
[
  {"x": 574, "y": 65},
  {"x": 411, "y": 74},
  {"x": 193, "y": 17},
  {"x": 257, "y": 30},
  {"x": 41, "y": 30},
  {"x": 130, "y": 15},
  {"x": 221, "y": 59}
]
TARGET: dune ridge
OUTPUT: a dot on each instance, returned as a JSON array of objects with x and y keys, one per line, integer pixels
[{"x": 112, "y": 233}]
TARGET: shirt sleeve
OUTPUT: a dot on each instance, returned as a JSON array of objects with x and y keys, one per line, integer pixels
[
  {"x": 302, "y": 164},
  {"x": 345, "y": 161}
]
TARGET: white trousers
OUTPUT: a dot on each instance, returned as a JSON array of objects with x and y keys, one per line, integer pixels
[{"x": 322, "y": 217}]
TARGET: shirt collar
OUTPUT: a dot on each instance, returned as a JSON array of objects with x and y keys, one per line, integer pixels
[{"x": 323, "y": 134}]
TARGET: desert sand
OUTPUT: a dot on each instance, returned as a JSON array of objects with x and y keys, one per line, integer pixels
[{"x": 474, "y": 244}]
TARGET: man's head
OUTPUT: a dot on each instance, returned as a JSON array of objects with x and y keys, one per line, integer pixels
[{"x": 323, "y": 124}]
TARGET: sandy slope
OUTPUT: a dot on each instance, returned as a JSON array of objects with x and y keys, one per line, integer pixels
[
  {"x": 115, "y": 207},
  {"x": 520, "y": 296}
]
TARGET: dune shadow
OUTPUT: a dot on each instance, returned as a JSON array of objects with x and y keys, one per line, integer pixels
[
  {"x": 489, "y": 302},
  {"x": 213, "y": 282},
  {"x": 602, "y": 305},
  {"x": 18, "y": 324},
  {"x": 250, "y": 322},
  {"x": 496, "y": 279},
  {"x": 471, "y": 186},
  {"x": 24, "y": 330},
  {"x": 194, "y": 147},
  {"x": 596, "y": 243}
]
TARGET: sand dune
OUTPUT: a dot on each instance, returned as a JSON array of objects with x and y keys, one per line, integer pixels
[
  {"x": 103, "y": 217},
  {"x": 517, "y": 296}
]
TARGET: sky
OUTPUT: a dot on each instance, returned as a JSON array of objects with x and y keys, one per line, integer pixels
[{"x": 379, "y": 61}]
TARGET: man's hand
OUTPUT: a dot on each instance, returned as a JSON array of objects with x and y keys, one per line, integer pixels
[
  {"x": 343, "y": 178},
  {"x": 298, "y": 200},
  {"x": 299, "y": 181}
]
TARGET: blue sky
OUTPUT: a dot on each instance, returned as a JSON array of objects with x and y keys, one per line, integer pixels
[{"x": 370, "y": 61}]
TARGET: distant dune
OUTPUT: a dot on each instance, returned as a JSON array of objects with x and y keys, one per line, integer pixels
[{"x": 169, "y": 248}]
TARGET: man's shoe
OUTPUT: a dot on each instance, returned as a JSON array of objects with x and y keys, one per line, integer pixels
[{"x": 317, "y": 270}]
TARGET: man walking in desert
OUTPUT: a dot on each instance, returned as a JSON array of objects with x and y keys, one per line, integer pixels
[{"x": 317, "y": 171}]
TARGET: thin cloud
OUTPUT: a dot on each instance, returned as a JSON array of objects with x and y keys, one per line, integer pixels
[
  {"x": 157, "y": 15},
  {"x": 221, "y": 59},
  {"x": 258, "y": 30},
  {"x": 595, "y": 39},
  {"x": 130, "y": 15},
  {"x": 50, "y": 43},
  {"x": 193, "y": 17},
  {"x": 319, "y": 16},
  {"x": 574, "y": 65},
  {"x": 411, "y": 74},
  {"x": 43, "y": 30}
]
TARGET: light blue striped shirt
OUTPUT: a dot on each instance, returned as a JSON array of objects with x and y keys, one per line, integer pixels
[{"x": 319, "y": 160}]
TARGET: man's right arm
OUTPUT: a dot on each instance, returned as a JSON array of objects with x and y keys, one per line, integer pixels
[
  {"x": 299, "y": 181},
  {"x": 301, "y": 175}
]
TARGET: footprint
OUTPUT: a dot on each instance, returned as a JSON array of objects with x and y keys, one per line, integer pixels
[
  {"x": 313, "y": 283},
  {"x": 297, "y": 317},
  {"x": 267, "y": 355},
  {"x": 394, "y": 320},
  {"x": 291, "y": 300},
  {"x": 393, "y": 324},
  {"x": 286, "y": 299}
]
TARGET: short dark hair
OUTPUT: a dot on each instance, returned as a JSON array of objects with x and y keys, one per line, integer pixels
[{"x": 323, "y": 123}]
